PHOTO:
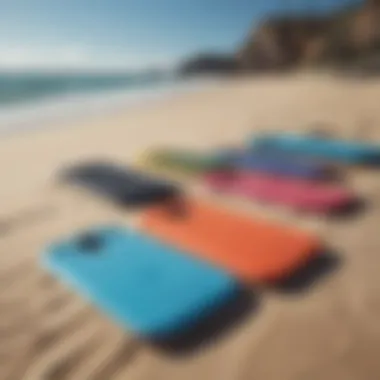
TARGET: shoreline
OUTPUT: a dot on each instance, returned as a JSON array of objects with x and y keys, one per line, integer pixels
[{"x": 66, "y": 109}]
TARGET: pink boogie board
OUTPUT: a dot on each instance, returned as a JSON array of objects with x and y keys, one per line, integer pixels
[{"x": 300, "y": 194}]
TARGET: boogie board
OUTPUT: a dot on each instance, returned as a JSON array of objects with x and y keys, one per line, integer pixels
[
  {"x": 279, "y": 163},
  {"x": 254, "y": 250},
  {"x": 182, "y": 161},
  {"x": 144, "y": 285},
  {"x": 119, "y": 184},
  {"x": 329, "y": 149},
  {"x": 300, "y": 194}
]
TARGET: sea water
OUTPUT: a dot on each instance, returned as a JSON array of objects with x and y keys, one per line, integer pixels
[{"x": 35, "y": 100}]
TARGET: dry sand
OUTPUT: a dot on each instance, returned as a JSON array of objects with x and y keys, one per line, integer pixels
[{"x": 329, "y": 330}]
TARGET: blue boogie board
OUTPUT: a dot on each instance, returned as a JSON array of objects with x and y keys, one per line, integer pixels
[
  {"x": 277, "y": 162},
  {"x": 332, "y": 150},
  {"x": 147, "y": 287}
]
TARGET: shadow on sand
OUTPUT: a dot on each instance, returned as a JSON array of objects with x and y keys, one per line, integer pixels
[
  {"x": 350, "y": 210},
  {"x": 311, "y": 273},
  {"x": 213, "y": 327},
  {"x": 246, "y": 304}
]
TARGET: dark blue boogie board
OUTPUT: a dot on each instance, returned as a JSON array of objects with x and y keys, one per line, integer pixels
[
  {"x": 119, "y": 184},
  {"x": 333, "y": 150},
  {"x": 277, "y": 162}
]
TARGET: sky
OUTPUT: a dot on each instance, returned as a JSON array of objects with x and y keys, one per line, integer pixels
[{"x": 129, "y": 34}]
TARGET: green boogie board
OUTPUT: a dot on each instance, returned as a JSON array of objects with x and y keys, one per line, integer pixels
[{"x": 183, "y": 162}]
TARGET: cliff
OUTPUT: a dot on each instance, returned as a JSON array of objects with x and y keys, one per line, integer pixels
[
  {"x": 288, "y": 42},
  {"x": 348, "y": 38}
]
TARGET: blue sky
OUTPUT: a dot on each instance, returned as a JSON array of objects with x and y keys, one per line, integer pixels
[{"x": 128, "y": 33}]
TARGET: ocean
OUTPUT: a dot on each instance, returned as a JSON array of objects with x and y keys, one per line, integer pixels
[
  {"x": 35, "y": 100},
  {"x": 28, "y": 87}
]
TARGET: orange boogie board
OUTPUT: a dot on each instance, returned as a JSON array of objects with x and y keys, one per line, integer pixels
[{"x": 253, "y": 250}]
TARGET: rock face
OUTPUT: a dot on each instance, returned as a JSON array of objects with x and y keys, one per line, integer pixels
[
  {"x": 288, "y": 42},
  {"x": 209, "y": 63},
  {"x": 348, "y": 38},
  {"x": 284, "y": 42}
]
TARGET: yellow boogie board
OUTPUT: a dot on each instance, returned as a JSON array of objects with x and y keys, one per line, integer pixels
[{"x": 182, "y": 162}]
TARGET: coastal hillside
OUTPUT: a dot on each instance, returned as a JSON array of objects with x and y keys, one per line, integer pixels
[
  {"x": 283, "y": 42},
  {"x": 348, "y": 37}
]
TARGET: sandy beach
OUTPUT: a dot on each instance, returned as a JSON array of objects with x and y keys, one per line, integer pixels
[{"x": 327, "y": 330}]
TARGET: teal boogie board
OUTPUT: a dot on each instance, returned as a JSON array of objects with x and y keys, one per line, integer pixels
[
  {"x": 146, "y": 286},
  {"x": 331, "y": 150}
]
